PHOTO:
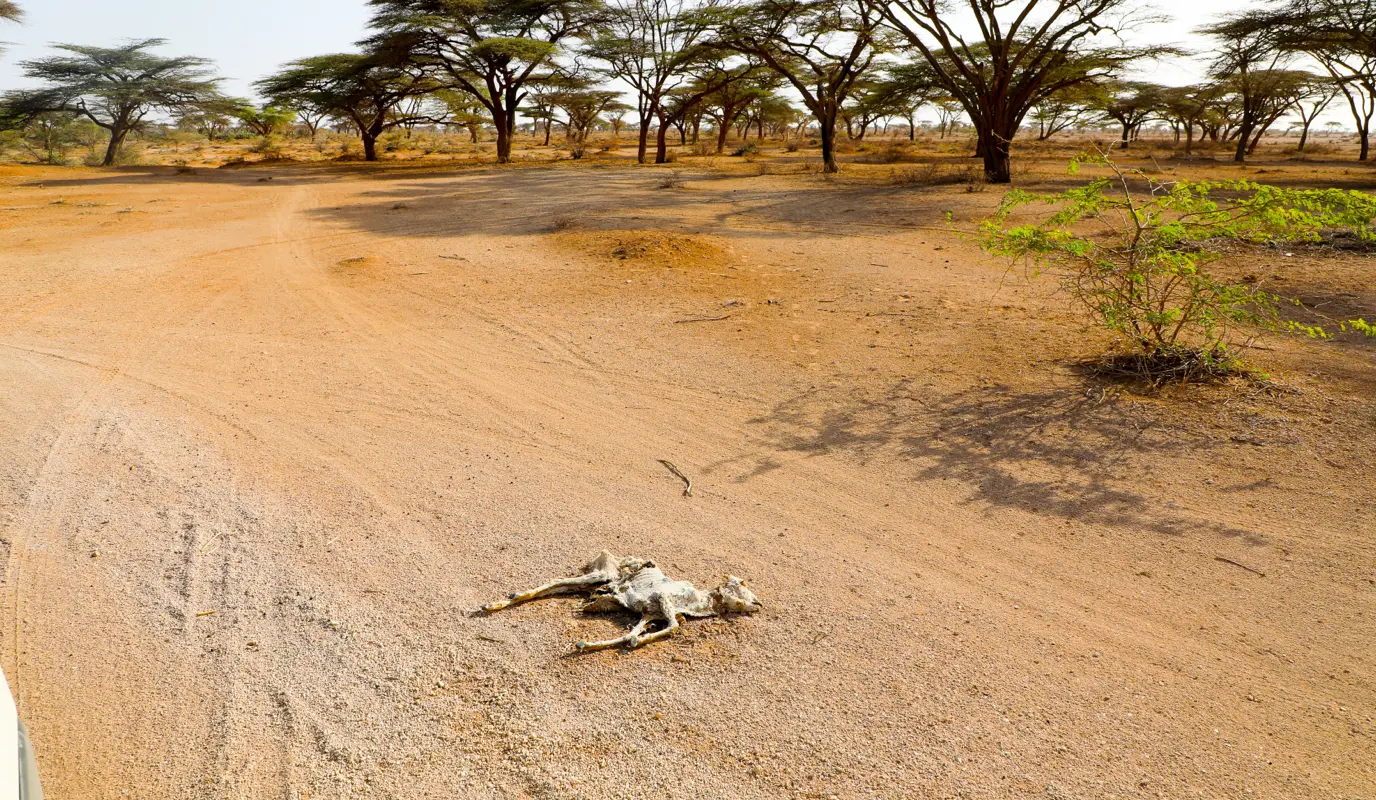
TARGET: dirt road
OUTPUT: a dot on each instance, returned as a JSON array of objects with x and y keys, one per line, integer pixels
[{"x": 264, "y": 443}]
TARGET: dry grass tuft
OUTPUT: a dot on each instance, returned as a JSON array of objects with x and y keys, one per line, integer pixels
[{"x": 673, "y": 180}]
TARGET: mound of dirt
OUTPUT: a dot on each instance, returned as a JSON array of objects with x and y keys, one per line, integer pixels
[{"x": 650, "y": 248}]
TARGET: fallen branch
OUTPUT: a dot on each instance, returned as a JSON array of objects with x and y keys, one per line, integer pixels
[
  {"x": 687, "y": 484},
  {"x": 1243, "y": 566},
  {"x": 702, "y": 319}
]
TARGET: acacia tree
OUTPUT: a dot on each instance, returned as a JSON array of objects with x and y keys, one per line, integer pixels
[
  {"x": 114, "y": 87},
  {"x": 1341, "y": 36},
  {"x": 540, "y": 106},
  {"x": 948, "y": 111},
  {"x": 821, "y": 47},
  {"x": 653, "y": 46},
  {"x": 461, "y": 110},
  {"x": 1067, "y": 108},
  {"x": 10, "y": 12},
  {"x": 1129, "y": 103},
  {"x": 264, "y": 120},
  {"x": 211, "y": 118},
  {"x": 1314, "y": 95},
  {"x": 867, "y": 105},
  {"x": 616, "y": 118},
  {"x": 582, "y": 103},
  {"x": 726, "y": 105},
  {"x": 1251, "y": 62},
  {"x": 773, "y": 113},
  {"x": 363, "y": 90},
  {"x": 687, "y": 103},
  {"x": 905, "y": 89},
  {"x": 1021, "y": 52},
  {"x": 1279, "y": 93},
  {"x": 1189, "y": 107},
  {"x": 491, "y": 49}
]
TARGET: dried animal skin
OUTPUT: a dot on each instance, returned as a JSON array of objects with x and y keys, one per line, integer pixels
[{"x": 637, "y": 585}]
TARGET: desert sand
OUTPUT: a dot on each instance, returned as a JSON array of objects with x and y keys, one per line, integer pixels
[{"x": 269, "y": 434}]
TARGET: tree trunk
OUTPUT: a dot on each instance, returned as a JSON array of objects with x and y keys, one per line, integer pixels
[
  {"x": 722, "y": 130},
  {"x": 998, "y": 163},
  {"x": 662, "y": 143},
  {"x": 1365, "y": 135},
  {"x": 1189, "y": 137},
  {"x": 505, "y": 120},
  {"x": 369, "y": 146},
  {"x": 643, "y": 144},
  {"x": 1304, "y": 136},
  {"x": 503, "y": 144},
  {"x": 827, "y": 125},
  {"x": 117, "y": 135},
  {"x": 912, "y": 129},
  {"x": 1243, "y": 139},
  {"x": 1127, "y": 131}
]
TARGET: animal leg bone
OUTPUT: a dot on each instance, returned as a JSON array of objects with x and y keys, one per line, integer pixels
[
  {"x": 670, "y": 616},
  {"x": 628, "y": 638},
  {"x": 562, "y": 584}
]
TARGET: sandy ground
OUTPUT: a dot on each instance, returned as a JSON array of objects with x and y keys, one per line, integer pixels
[{"x": 264, "y": 444}]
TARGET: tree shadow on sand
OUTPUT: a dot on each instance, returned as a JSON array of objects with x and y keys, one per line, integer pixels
[{"x": 1065, "y": 453}]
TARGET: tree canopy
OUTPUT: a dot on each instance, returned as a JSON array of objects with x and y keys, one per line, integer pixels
[
  {"x": 114, "y": 87},
  {"x": 1024, "y": 52},
  {"x": 491, "y": 49},
  {"x": 365, "y": 90},
  {"x": 821, "y": 47}
]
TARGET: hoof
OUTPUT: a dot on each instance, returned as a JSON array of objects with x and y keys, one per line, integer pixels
[{"x": 511, "y": 596}]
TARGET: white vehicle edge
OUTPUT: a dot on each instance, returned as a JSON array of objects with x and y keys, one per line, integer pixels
[{"x": 18, "y": 770}]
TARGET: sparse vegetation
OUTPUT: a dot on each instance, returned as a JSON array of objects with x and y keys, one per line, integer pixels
[
  {"x": 272, "y": 416},
  {"x": 1138, "y": 259},
  {"x": 115, "y": 88}
]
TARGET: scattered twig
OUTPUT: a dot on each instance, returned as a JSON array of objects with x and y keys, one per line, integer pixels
[
  {"x": 687, "y": 483},
  {"x": 702, "y": 319},
  {"x": 487, "y": 638},
  {"x": 1243, "y": 566},
  {"x": 205, "y": 613}
]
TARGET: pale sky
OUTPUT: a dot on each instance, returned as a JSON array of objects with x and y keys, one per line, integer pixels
[{"x": 250, "y": 38}]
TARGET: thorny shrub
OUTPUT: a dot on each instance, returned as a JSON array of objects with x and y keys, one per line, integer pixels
[{"x": 1138, "y": 262}]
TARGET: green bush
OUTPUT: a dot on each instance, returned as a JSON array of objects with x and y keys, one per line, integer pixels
[{"x": 1137, "y": 262}]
